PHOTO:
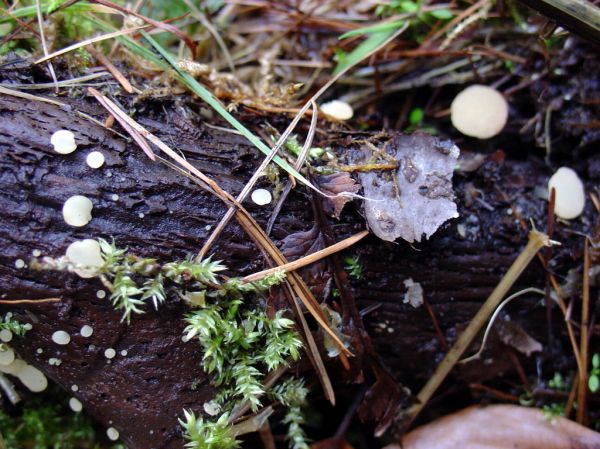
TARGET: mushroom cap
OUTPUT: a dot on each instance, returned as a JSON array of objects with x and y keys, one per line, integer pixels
[
  {"x": 7, "y": 356},
  {"x": 32, "y": 378},
  {"x": 479, "y": 111},
  {"x": 85, "y": 253},
  {"x": 63, "y": 141},
  {"x": 95, "y": 159},
  {"x": 569, "y": 199},
  {"x": 61, "y": 338},
  {"x": 337, "y": 109},
  {"x": 77, "y": 210},
  {"x": 262, "y": 197}
]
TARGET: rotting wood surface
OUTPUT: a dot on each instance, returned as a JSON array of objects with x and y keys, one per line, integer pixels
[{"x": 143, "y": 393}]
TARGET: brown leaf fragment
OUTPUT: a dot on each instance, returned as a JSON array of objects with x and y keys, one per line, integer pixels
[
  {"x": 500, "y": 427},
  {"x": 415, "y": 200},
  {"x": 335, "y": 184},
  {"x": 512, "y": 334},
  {"x": 383, "y": 400}
]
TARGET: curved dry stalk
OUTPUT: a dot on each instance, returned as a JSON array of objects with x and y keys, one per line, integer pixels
[{"x": 536, "y": 241}]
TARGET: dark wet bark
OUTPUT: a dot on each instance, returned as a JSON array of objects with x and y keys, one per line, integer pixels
[{"x": 142, "y": 394}]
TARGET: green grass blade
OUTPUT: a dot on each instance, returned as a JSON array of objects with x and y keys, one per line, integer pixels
[
  {"x": 377, "y": 28},
  {"x": 359, "y": 53},
  {"x": 208, "y": 97}
]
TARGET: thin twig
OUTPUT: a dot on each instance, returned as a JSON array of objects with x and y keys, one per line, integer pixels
[
  {"x": 537, "y": 241},
  {"x": 29, "y": 301},
  {"x": 116, "y": 73},
  {"x": 308, "y": 259},
  {"x": 581, "y": 414},
  {"x": 40, "y": 18},
  {"x": 89, "y": 41}
]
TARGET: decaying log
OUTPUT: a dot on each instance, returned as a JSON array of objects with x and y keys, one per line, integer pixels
[{"x": 161, "y": 214}]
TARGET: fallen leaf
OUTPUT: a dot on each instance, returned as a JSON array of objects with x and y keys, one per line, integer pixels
[
  {"x": 333, "y": 185},
  {"x": 500, "y": 427},
  {"x": 512, "y": 334},
  {"x": 417, "y": 198}
]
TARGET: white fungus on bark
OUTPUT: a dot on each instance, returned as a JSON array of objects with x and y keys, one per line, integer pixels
[
  {"x": 479, "y": 111},
  {"x": 77, "y": 210},
  {"x": 6, "y": 335},
  {"x": 86, "y": 331},
  {"x": 32, "y": 378},
  {"x": 7, "y": 356},
  {"x": 337, "y": 109},
  {"x": 61, "y": 338},
  {"x": 95, "y": 159},
  {"x": 569, "y": 199},
  {"x": 262, "y": 197},
  {"x": 86, "y": 256},
  {"x": 19, "y": 263},
  {"x": 63, "y": 141},
  {"x": 112, "y": 434},
  {"x": 75, "y": 405},
  {"x": 110, "y": 353}
]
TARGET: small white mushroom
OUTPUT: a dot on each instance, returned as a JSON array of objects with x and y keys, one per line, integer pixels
[
  {"x": 86, "y": 255},
  {"x": 114, "y": 197},
  {"x": 211, "y": 408},
  {"x": 95, "y": 159},
  {"x": 337, "y": 109},
  {"x": 86, "y": 331},
  {"x": 63, "y": 141},
  {"x": 124, "y": 352},
  {"x": 77, "y": 211},
  {"x": 74, "y": 388},
  {"x": 14, "y": 367},
  {"x": 479, "y": 111},
  {"x": 112, "y": 434},
  {"x": 61, "y": 338},
  {"x": 19, "y": 263},
  {"x": 110, "y": 353},
  {"x": 569, "y": 199},
  {"x": 7, "y": 356},
  {"x": 33, "y": 378},
  {"x": 75, "y": 405},
  {"x": 262, "y": 197},
  {"x": 6, "y": 335},
  {"x": 36, "y": 253},
  {"x": 100, "y": 294}
]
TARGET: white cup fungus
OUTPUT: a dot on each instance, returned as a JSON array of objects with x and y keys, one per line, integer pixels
[
  {"x": 86, "y": 331},
  {"x": 6, "y": 335},
  {"x": 569, "y": 199},
  {"x": 95, "y": 159},
  {"x": 262, "y": 197},
  {"x": 61, "y": 338},
  {"x": 112, "y": 434},
  {"x": 63, "y": 141},
  {"x": 86, "y": 255},
  {"x": 32, "y": 378},
  {"x": 337, "y": 109},
  {"x": 75, "y": 405},
  {"x": 77, "y": 210},
  {"x": 7, "y": 356},
  {"x": 15, "y": 366},
  {"x": 479, "y": 111}
]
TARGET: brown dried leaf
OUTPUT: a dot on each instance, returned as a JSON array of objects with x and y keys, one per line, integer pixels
[
  {"x": 335, "y": 184},
  {"x": 499, "y": 427},
  {"x": 382, "y": 400},
  {"x": 416, "y": 199},
  {"x": 512, "y": 334}
]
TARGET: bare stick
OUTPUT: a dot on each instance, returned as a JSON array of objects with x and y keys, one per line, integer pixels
[
  {"x": 307, "y": 260},
  {"x": 581, "y": 414},
  {"x": 29, "y": 301},
  {"x": 9, "y": 389},
  {"x": 537, "y": 241}
]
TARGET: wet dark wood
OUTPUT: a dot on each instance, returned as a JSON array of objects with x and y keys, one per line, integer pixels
[{"x": 142, "y": 394}]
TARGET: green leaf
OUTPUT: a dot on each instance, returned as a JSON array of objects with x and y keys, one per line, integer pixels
[
  {"x": 596, "y": 361},
  {"x": 594, "y": 383},
  {"x": 442, "y": 14},
  {"x": 416, "y": 116},
  {"x": 208, "y": 97},
  {"x": 377, "y": 28},
  {"x": 359, "y": 53},
  {"x": 409, "y": 7}
]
